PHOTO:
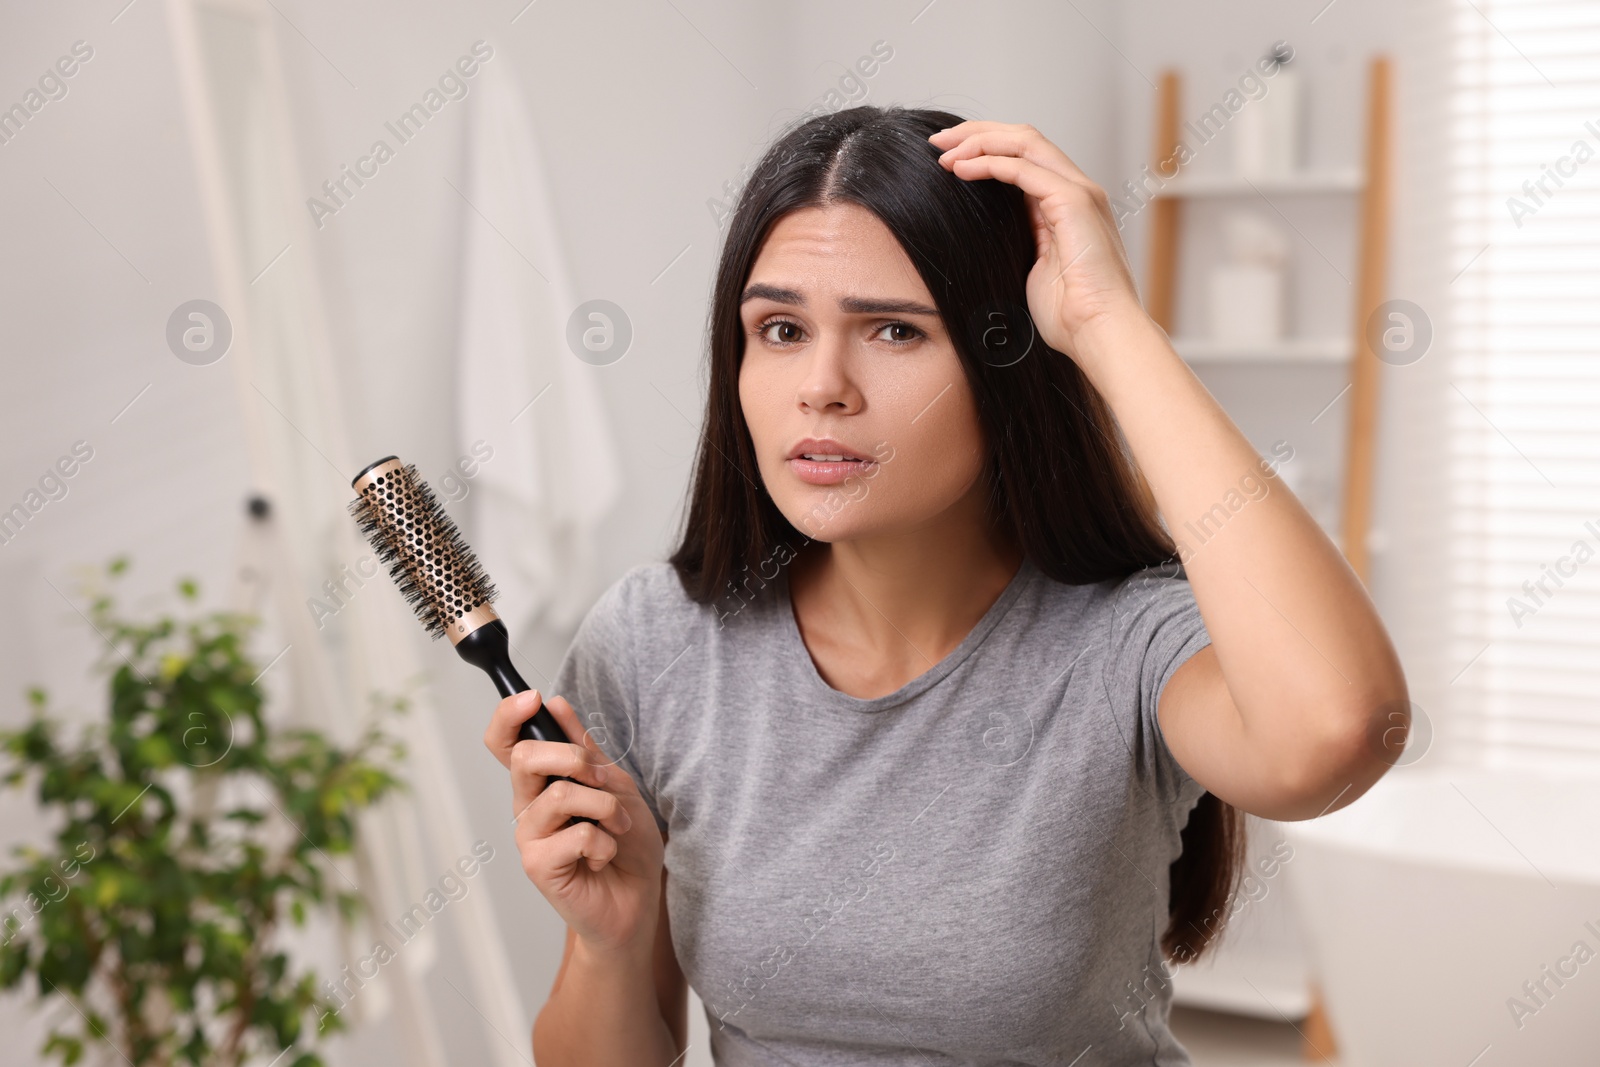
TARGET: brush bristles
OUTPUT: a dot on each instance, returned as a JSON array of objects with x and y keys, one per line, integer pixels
[{"x": 430, "y": 563}]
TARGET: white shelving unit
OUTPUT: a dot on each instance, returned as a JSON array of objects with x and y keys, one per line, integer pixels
[
  {"x": 1326, "y": 350},
  {"x": 1368, "y": 182},
  {"x": 1308, "y": 183}
]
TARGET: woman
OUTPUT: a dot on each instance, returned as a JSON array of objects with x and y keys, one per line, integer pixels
[{"x": 946, "y": 759}]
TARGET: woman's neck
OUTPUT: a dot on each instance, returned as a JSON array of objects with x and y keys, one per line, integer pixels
[{"x": 877, "y": 612}]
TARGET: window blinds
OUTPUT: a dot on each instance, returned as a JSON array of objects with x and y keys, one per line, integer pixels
[{"x": 1521, "y": 408}]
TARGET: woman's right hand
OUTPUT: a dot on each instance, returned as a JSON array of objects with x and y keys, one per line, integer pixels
[{"x": 603, "y": 878}]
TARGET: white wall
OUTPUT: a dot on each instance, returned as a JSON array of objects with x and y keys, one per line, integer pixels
[{"x": 644, "y": 111}]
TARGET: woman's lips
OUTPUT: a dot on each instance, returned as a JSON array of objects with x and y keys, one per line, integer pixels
[{"x": 828, "y": 471}]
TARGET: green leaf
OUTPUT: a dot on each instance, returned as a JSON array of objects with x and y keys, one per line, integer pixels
[
  {"x": 156, "y": 751},
  {"x": 172, "y": 665},
  {"x": 68, "y": 1047},
  {"x": 107, "y": 888}
]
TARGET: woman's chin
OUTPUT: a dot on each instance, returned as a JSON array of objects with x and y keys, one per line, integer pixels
[
  {"x": 834, "y": 523},
  {"x": 818, "y": 524}
]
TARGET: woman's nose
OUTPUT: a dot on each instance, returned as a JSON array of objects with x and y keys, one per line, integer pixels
[{"x": 828, "y": 384}]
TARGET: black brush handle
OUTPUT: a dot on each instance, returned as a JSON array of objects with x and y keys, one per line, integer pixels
[{"x": 489, "y": 648}]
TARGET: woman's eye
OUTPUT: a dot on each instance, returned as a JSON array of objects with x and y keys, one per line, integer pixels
[
  {"x": 766, "y": 330},
  {"x": 911, "y": 332}
]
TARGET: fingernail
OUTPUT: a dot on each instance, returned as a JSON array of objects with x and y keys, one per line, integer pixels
[{"x": 528, "y": 698}]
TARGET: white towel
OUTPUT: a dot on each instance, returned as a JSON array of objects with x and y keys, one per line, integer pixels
[{"x": 536, "y": 502}]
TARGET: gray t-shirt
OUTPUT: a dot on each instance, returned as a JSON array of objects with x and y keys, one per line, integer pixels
[{"x": 969, "y": 870}]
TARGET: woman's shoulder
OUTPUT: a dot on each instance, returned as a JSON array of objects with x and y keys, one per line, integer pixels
[
  {"x": 1110, "y": 607},
  {"x": 1162, "y": 588},
  {"x": 646, "y": 595},
  {"x": 1167, "y": 578}
]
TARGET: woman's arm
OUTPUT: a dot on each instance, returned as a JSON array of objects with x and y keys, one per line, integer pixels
[
  {"x": 1287, "y": 713},
  {"x": 599, "y": 1009},
  {"x": 619, "y": 997}
]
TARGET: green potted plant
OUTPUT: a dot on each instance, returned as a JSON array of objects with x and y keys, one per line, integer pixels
[{"x": 187, "y": 832}]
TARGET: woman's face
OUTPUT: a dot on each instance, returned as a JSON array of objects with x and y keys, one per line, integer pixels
[{"x": 861, "y": 415}]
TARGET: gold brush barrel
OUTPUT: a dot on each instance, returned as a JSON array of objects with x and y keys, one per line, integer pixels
[{"x": 428, "y": 560}]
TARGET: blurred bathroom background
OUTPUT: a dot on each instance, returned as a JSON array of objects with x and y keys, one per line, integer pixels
[{"x": 220, "y": 298}]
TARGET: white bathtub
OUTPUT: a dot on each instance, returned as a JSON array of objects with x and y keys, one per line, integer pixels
[{"x": 1429, "y": 902}]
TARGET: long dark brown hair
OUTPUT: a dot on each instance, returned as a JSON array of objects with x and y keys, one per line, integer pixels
[{"x": 1061, "y": 480}]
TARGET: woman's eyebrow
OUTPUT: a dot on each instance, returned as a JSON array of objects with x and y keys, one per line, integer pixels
[
  {"x": 777, "y": 294},
  {"x": 854, "y": 305},
  {"x": 858, "y": 305}
]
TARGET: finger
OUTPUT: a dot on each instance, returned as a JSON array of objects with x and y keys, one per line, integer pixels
[
  {"x": 581, "y": 841},
  {"x": 1024, "y": 142},
  {"x": 501, "y": 734},
  {"x": 552, "y": 808},
  {"x": 534, "y": 763},
  {"x": 1042, "y": 234},
  {"x": 1059, "y": 197},
  {"x": 1007, "y": 138},
  {"x": 617, "y": 778},
  {"x": 953, "y": 134},
  {"x": 567, "y": 718}
]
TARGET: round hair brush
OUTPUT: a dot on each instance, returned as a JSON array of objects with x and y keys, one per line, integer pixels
[{"x": 440, "y": 577}]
